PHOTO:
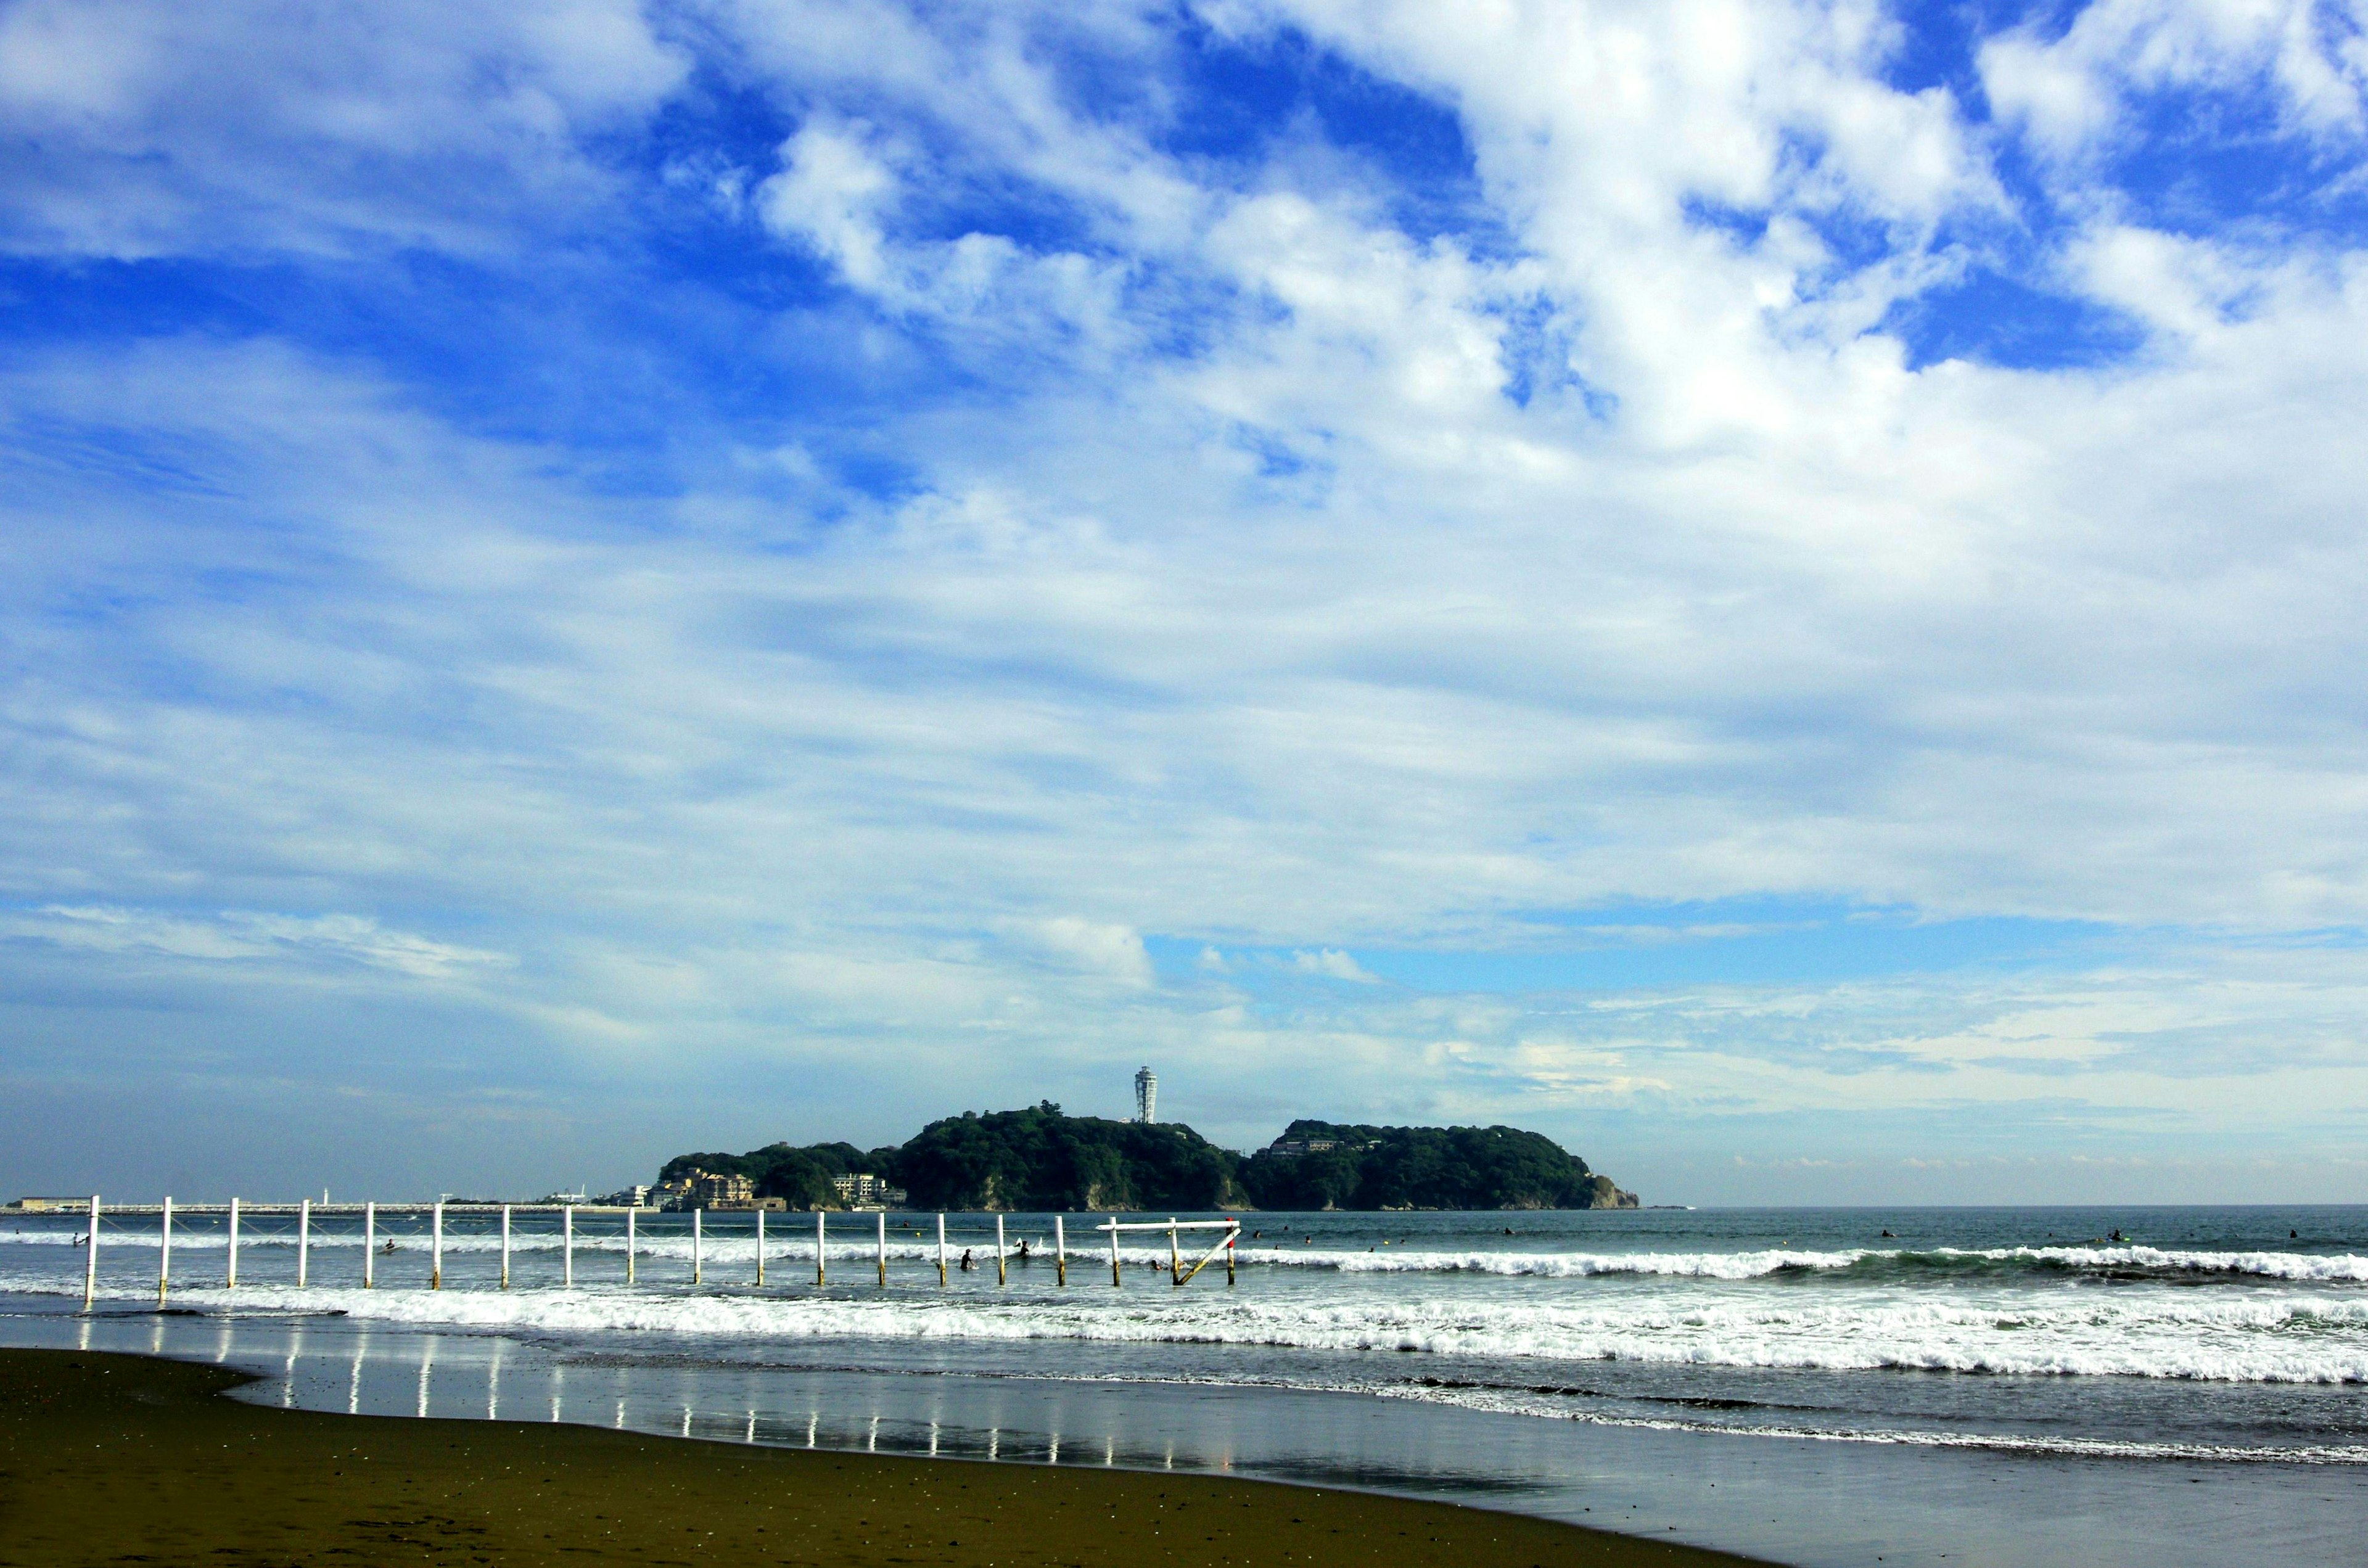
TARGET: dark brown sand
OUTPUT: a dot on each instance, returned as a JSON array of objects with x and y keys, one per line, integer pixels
[{"x": 123, "y": 1460}]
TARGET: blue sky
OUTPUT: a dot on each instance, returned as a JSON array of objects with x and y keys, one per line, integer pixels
[{"x": 1769, "y": 589}]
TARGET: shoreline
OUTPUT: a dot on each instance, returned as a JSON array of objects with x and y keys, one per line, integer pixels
[{"x": 110, "y": 1457}]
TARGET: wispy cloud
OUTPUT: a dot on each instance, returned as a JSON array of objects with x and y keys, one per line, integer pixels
[{"x": 234, "y": 936}]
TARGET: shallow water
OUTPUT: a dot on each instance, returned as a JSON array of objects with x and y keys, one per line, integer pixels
[{"x": 2210, "y": 1355}]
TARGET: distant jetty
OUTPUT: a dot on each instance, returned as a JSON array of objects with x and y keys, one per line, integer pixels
[{"x": 1043, "y": 1159}]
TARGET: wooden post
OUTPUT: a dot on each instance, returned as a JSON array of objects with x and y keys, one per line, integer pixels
[
  {"x": 230, "y": 1265},
  {"x": 884, "y": 1249},
  {"x": 90, "y": 1263},
  {"x": 631, "y": 1214},
  {"x": 821, "y": 1236},
  {"x": 164, "y": 1253},
  {"x": 760, "y": 1249},
  {"x": 1059, "y": 1252},
  {"x": 436, "y": 1248},
  {"x": 506, "y": 1247},
  {"x": 567, "y": 1245},
  {"x": 1231, "y": 1236},
  {"x": 305, "y": 1244},
  {"x": 370, "y": 1245},
  {"x": 1115, "y": 1280},
  {"x": 941, "y": 1252},
  {"x": 1002, "y": 1276},
  {"x": 1174, "y": 1263},
  {"x": 698, "y": 1245}
]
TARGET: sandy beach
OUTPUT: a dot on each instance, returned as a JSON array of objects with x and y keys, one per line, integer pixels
[{"x": 113, "y": 1459}]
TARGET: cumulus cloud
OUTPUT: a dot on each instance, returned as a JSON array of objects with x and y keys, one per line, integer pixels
[{"x": 1114, "y": 952}]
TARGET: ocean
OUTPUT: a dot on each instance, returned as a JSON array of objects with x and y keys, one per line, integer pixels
[{"x": 1907, "y": 1384}]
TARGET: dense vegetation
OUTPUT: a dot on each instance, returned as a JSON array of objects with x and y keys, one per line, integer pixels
[
  {"x": 1424, "y": 1167},
  {"x": 799, "y": 1176},
  {"x": 1041, "y": 1159}
]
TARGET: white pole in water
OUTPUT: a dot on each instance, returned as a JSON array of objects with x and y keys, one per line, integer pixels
[
  {"x": 436, "y": 1249},
  {"x": 941, "y": 1251},
  {"x": 630, "y": 1215},
  {"x": 506, "y": 1247},
  {"x": 1231, "y": 1237},
  {"x": 305, "y": 1244},
  {"x": 1060, "y": 1251},
  {"x": 230, "y": 1277},
  {"x": 1115, "y": 1281},
  {"x": 698, "y": 1245},
  {"x": 567, "y": 1245},
  {"x": 90, "y": 1263},
  {"x": 1174, "y": 1263},
  {"x": 370, "y": 1245},
  {"x": 760, "y": 1249},
  {"x": 1002, "y": 1276},
  {"x": 165, "y": 1252},
  {"x": 820, "y": 1238},
  {"x": 884, "y": 1249}
]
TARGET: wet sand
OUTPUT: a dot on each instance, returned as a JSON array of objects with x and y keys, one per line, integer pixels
[{"x": 111, "y": 1458}]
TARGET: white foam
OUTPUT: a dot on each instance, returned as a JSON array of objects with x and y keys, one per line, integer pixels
[
  {"x": 2341, "y": 1268},
  {"x": 2288, "y": 1338},
  {"x": 1556, "y": 1264}
]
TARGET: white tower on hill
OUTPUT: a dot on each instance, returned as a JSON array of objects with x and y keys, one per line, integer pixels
[{"x": 1146, "y": 1097}]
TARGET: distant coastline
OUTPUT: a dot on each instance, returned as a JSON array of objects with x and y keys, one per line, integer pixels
[{"x": 1041, "y": 1158}]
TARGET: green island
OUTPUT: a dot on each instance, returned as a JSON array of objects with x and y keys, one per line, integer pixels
[{"x": 1043, "y": 1159}]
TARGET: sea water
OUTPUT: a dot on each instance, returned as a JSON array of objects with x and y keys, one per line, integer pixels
[{"x": 2190, "y": 1345}]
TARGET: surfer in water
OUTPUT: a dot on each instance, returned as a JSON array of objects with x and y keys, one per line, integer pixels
[{"x": 966, "y": 1264}]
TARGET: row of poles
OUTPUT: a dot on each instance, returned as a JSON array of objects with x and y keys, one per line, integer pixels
[{"x": 1176, "y": 1272}]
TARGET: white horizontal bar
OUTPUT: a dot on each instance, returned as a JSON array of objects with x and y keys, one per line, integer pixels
[{"x": 1179, "y": 1225}]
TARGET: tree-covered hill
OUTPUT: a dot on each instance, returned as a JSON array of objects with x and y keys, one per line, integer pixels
[
  {"x": 801, "y": 1176},
  {"x": 1422, "y": 1167},
  {"x": 1042, "y": 1160}
]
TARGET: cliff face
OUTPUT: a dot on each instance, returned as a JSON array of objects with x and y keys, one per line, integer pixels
[{"x": 1602, "y": 1194}]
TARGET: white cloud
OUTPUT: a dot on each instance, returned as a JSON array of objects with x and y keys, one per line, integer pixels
[
  {"x": 2074, "y": 91},
  {"x": 247, "y": 934},
  {"x": 1115, "y": 952},
  {"x": 830, "y": 192},
  {"x": 1224, "y": 594},
  {"x": 1333, "y": 964},
  {"x": 256, "y": 127}
]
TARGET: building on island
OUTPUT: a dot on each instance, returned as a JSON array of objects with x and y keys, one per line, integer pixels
[
  {"x": 723, "y": 1191},
  {"x": 1146, "y": 1097},
  {"x": 1291, "y": 1148},
  {"x": 698, "y": 1188},
  {"x": 861, "y": 1190}
]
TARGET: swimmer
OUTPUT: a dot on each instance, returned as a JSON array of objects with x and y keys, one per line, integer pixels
[{"x": 966, "y": 1264}]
